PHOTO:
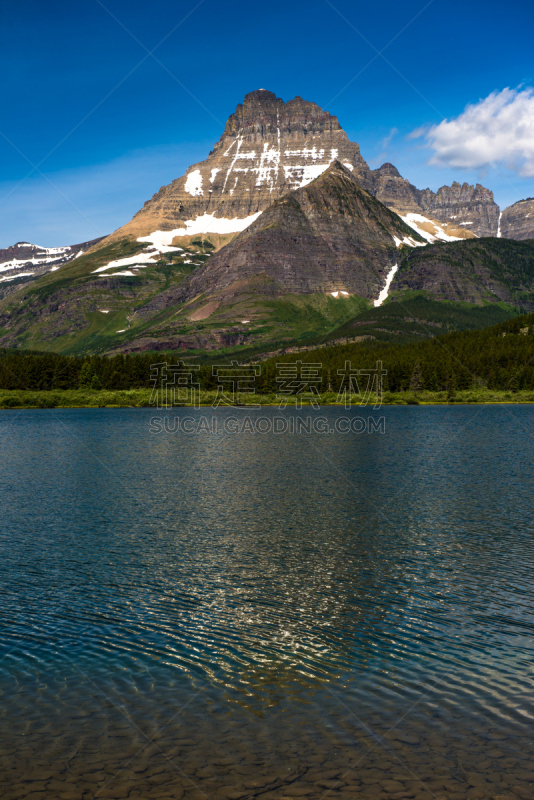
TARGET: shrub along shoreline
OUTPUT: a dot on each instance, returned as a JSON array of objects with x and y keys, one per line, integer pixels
[{"x": 140, "y": 398}]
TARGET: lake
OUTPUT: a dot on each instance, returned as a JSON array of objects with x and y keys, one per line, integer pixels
[{"x": 259, "y": 614}]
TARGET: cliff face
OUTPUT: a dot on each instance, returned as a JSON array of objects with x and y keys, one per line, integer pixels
[
  {"x": 268, "y": 147},
  {"x": 517, "y": 221},
  {"x": 463, "y": 204}
]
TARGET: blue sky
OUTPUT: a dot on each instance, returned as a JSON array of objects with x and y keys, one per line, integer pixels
[{"x": 106, "y": 121}]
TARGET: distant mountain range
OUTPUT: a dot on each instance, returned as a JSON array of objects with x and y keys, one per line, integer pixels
[
  {"x": 268, "y": 148},
  {"x": 282, "y": 233},
  {"x": 23, "y": 262}
]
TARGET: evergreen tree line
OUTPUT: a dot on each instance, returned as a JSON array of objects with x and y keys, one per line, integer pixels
[{"x": 500, "y": 358}]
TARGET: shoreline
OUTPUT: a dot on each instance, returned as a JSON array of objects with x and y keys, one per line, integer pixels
[{"x": 140, "y": 398}]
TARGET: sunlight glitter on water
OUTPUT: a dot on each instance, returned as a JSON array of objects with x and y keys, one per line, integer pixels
[{"x": 284, "y": 616}]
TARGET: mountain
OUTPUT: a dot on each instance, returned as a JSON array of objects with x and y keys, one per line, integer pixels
[
  {"x": 395, "y": 191},
  {"x": 459, "y": 214},
  {"x": 476, "y": 271},
  {"x": 331, "y": 240},
  {"x": 24, "y": 262},
  {"x": 464, "y": 210},
  {"x": 267, "y": 148},
  {"x": 330, "y": 236},
  {"x": 517, "y": 221},
  {"x": 463, "y": 204},
  {"x": 281, "y": 233}
]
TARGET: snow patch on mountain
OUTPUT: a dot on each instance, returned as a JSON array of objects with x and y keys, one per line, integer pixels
[
  {"x": 385, "y": 291},
  {"x": 303, "y": 175},
  {"x": 409, "y": 241},
  {"x": 193, "y": 183},
  {"x": 39, "y": 259},
  {"x": 49, "y": 256},
  {"x": 17, "y": 275},
  {"x": 27, "y": 260},
  {"x": 205, "y": 223},
  {"x": 144, "y": 259},
  {"x": 160, "y": 242},
  {"x": 421, "y": 224},
  {"x": 305, "y": 152}
]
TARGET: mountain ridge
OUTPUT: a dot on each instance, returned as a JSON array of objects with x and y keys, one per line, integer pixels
[
  {"x": 296, "y": 242},
  {"x": 283, "y": 207},
  {"x": 269, "y": 147},
  {"x": 23, "y": 262}
]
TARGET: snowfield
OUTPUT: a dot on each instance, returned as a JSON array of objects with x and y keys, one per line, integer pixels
[{"x": 439, "y": 235}]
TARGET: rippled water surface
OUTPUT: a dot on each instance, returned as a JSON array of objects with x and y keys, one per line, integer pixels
[{"x": 237, "y": 616}]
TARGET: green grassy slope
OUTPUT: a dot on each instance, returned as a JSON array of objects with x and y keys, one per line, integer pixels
[
  {"x": 415, "y": 316},
  {"x": 65, "y": 311}
]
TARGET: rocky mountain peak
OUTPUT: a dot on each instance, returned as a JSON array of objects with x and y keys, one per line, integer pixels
[
  {"x": 268, "y": 147},
  {"x": 465, "y": 190},
  {"x": 263, "y": 113},
  {"x": 464, "y": 204},
  {"x": 257, "y": 113},
  {"x": 389, "y": 169},
  {"x": 395, "y": 191}
]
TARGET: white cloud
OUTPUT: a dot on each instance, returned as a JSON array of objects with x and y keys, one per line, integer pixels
[
  {"x": 386, "y": 141},
  {"x": 497, "y": 129}
]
